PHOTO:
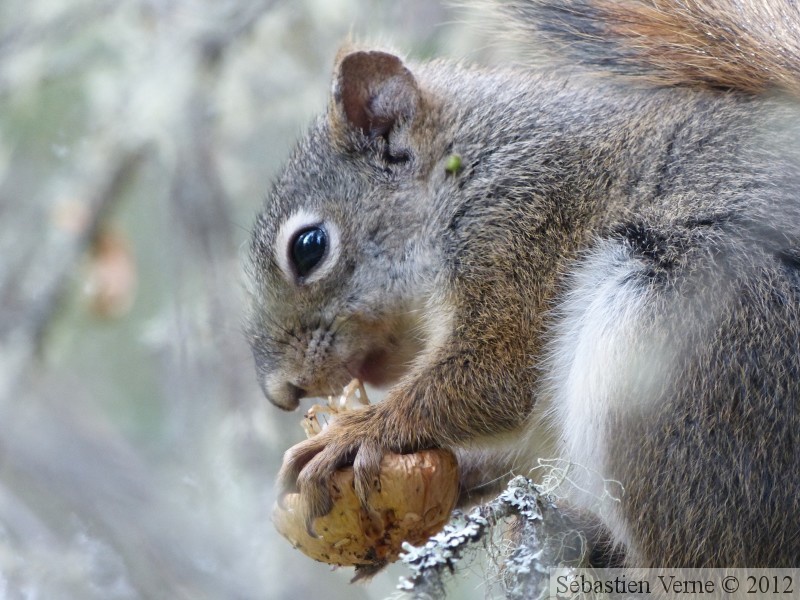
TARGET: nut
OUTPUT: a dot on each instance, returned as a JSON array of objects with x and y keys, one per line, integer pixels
[{"x": 416, "y": 495}]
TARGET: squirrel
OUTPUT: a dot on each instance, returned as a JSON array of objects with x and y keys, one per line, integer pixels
[{"x": 613, "y": 236}]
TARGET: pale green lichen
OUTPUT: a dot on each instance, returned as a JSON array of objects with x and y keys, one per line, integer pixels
[{"x": 541, "y": 538}]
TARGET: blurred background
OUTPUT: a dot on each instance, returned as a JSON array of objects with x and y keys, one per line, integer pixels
[{"x": 137, "y": 142}]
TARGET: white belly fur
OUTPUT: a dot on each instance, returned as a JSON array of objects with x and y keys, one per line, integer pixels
[{"x": 596, "y": 355}]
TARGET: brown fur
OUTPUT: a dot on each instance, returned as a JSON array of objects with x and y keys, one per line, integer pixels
[{"x": 747, "y": 45}]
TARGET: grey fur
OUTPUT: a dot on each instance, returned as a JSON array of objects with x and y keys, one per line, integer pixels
[{"x": 467, "y": 281}]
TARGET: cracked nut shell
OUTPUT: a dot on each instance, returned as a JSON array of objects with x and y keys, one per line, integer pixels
[{"x": 416, "y": 496}]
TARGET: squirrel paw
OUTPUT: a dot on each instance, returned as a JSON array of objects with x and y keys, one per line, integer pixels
[{"x": 308, "y": 466}]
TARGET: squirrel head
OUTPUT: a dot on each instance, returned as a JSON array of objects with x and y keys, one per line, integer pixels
[{"x": 339, "y": 247}]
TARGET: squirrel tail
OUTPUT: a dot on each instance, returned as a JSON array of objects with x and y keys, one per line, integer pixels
[{"x": 746, "y": 45}]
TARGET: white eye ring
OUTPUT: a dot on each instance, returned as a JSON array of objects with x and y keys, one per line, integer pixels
[{"x": 300, "y": 220}]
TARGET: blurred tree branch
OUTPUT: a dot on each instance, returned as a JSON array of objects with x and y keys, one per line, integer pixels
[
  {"x": 32, "y": 283},
  {"x": 57, "y": 460}
]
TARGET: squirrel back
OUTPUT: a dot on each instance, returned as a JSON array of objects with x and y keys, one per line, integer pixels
[{"x": 750, "y": 46}]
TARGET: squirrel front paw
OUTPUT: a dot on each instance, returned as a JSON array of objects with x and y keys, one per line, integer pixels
[{"x": 309, "y": 466}]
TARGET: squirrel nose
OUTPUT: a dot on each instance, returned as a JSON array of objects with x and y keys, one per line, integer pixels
[{"x": 284, "y": 395}]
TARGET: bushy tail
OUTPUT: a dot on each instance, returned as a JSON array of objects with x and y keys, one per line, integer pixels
[{"x": 747, "y": 45}]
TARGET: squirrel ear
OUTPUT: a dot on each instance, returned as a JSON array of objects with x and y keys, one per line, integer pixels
[{"x": 374, "y": 91}]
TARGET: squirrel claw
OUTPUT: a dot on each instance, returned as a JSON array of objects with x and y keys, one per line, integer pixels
[
  {"x": 309, "y": 466},
  {"x": 367, "y": 468},
  {"x": 295, "y": 460}
]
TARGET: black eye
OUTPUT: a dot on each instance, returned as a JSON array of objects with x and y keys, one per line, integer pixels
[{"x": 308, "y": 249}]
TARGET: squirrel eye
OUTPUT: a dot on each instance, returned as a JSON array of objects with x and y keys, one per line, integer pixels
[{"x": 308, "y": 249}]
